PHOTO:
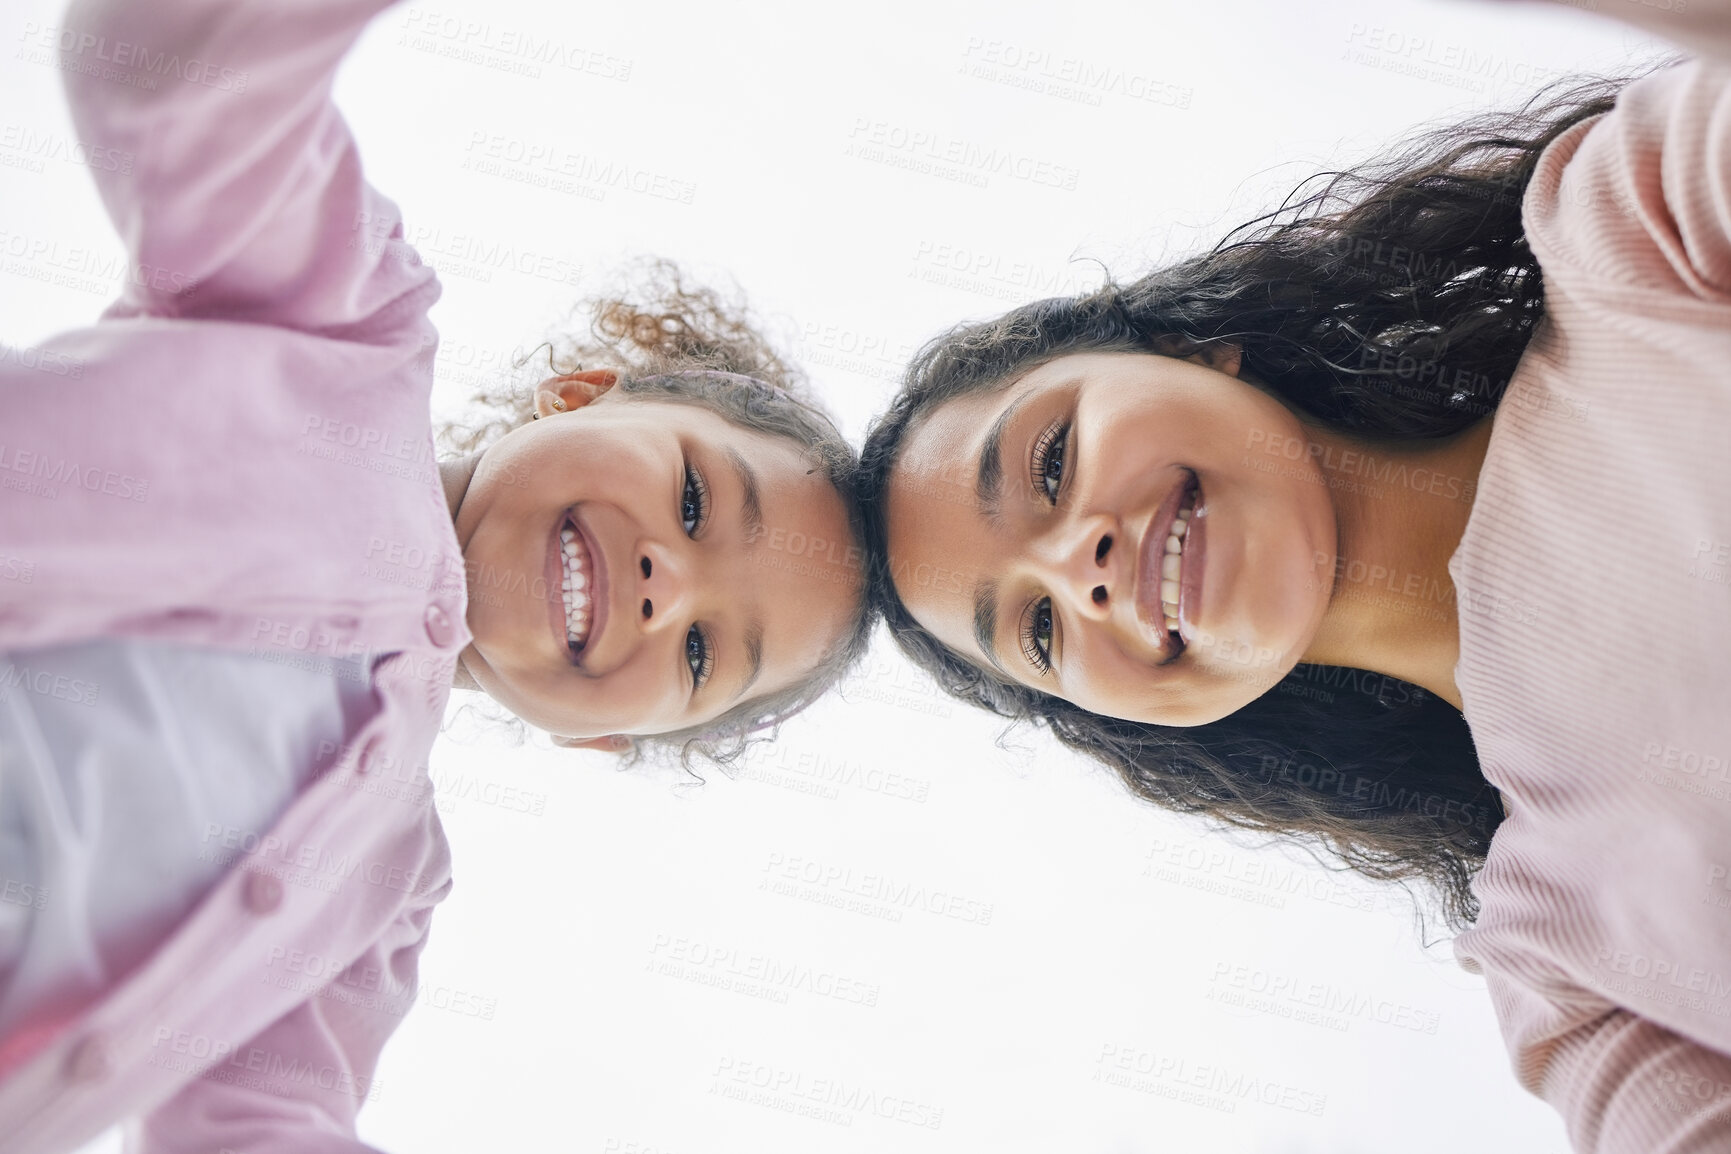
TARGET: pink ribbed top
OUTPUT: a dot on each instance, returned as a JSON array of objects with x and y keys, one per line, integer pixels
[{"x": 1594, "y": 584}]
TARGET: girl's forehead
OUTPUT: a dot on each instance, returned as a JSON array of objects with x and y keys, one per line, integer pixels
[{"x": 700, "y": 417}]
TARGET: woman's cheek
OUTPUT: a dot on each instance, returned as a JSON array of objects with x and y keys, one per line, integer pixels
[{"x": 1111, "y": 681}]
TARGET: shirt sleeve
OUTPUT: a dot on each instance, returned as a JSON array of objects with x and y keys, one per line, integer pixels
[
  {"x": 1701, "y": 27},
  {"x": 1610, "y": 992},
  {"x": 297, "y": 1086},
  {"x": 1643, "y": 207},
  {"x": 245, "y": 199},
  {"x": 1623, "y": 1083}
]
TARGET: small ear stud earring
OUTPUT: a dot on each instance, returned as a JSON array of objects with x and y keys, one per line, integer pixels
[{"x": 558, "y": 405}]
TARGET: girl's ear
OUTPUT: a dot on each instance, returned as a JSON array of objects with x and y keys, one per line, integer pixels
[
  {"x": 613, "y": 743},
  {"x": 572, "y": 391},
  {"x": 1221, "y": 356}
]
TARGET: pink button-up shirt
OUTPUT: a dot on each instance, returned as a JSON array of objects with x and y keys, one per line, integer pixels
[{"x": 239, "y": 455}]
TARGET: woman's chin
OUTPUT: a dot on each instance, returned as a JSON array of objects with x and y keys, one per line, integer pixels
[{"x": 1226, "y": 677}]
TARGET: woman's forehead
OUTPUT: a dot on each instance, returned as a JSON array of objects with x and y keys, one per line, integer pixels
[{"x": 962, "y": 422}]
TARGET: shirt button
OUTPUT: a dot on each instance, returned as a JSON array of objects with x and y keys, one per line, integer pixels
[
  {"x": 91, "y": 1060},
  {"x": 440, "y": 631},
  {"x": 369, "y": 754},
  {"x": 262, "y": 893}
]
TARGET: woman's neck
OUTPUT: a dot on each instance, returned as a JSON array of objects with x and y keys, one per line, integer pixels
[{"x": 1400, "y": 513}]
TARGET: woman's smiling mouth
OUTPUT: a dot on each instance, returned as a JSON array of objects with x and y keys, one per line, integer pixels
[
  {"x": 1172, "y": 563},
  {"x": 1163, "y": 579}
]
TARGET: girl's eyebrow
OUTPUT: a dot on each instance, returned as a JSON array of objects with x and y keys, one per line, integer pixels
[
  {"x": 753, "y": 658},
  {"x": 753, "y": 643},
  {"x": 751, "y": 504},
  {"x": 751, "y": 528}
]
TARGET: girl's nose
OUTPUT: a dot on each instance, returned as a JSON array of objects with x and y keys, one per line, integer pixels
[{"x": 663, "y": 592}]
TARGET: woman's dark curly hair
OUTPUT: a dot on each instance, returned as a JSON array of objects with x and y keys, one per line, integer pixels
[
  {"x": 1392, "y": 301},
  {"x": 674, "y": 341}
]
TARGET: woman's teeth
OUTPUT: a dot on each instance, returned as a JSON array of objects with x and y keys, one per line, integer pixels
[
  {"x": 576, "y": 588},
  {"x": 1172, "y": 563}
]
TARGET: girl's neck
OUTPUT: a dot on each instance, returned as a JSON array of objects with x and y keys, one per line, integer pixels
[
  {"x": 454, "y": 476},
  {"x": 1400, "y": 513}
]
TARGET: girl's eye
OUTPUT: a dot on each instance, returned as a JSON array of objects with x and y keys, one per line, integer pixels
[
  {"x": 699, "y": 656},
  {"x": 1047, "y": 465},
  {"x": 693, "y": 502},
  {"x": 1037, "y": 634}
]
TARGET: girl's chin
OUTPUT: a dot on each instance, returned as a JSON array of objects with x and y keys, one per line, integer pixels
[{"x": 461, "y": 678}]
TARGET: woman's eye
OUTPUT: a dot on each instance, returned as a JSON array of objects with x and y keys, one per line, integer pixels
[
  {"x": 693, "y": 502},
  {"x": 698, "y": 656},
  {"x": 1037, "y": 635},
  {"x": 1048, "y": 462}
]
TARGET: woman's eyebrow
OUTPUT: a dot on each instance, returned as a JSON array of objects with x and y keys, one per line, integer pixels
[
  {"x": 986, "y": 621},
  {"x": 751, "y": 504},
  {"x": 989, "y": 474}
]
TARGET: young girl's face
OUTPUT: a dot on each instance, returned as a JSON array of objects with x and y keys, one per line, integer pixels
[
  {"x": 1029, "y": 527},
  {"x": 638, "y": 566}
]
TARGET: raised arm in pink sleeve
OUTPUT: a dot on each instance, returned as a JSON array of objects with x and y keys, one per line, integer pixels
[
  {"x": 246, "y": 200},
  {"x": 246, "y": 206}
]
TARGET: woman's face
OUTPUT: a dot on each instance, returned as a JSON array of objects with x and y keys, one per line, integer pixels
[
  {"x": 708, "y": 565},
  {"x": 1029, "y": 529}
]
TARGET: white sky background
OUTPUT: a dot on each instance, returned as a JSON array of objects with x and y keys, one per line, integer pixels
[{"x": 1055, "y": 934}]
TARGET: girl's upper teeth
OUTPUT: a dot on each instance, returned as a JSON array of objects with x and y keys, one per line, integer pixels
[
  {"x": 576, "y": 587},
  {"x": 1172, "y": 563}
]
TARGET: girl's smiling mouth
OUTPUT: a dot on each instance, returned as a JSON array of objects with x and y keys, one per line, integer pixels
[{"x": 576, "y": 567}]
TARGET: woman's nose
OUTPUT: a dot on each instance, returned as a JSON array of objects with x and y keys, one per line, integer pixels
[
  {"x": 1083, "y": 566},
  {"x": 663, "y": 592}
]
